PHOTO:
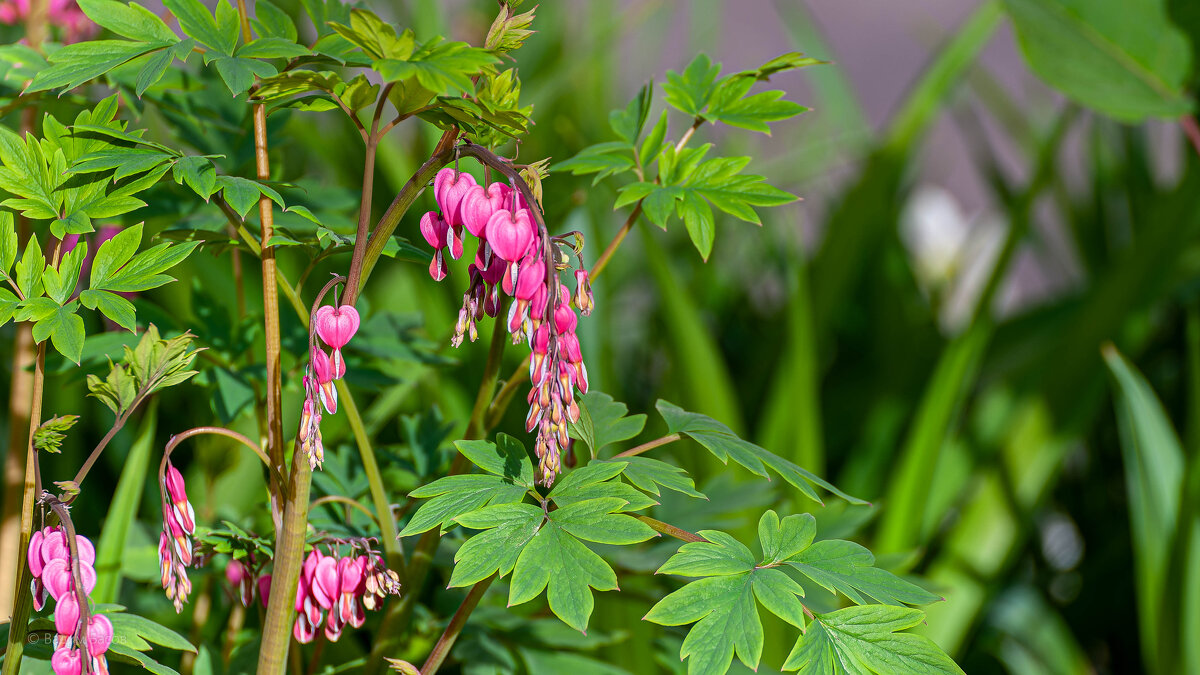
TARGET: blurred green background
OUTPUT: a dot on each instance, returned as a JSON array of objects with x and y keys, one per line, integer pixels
[{"x": 924, "y": 329}]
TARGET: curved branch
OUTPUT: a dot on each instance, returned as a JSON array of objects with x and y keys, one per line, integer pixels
[
  {"x": 219, "y": 431},
  {"x": 339, "y": 499}
]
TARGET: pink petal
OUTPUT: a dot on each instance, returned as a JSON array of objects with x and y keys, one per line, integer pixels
[
  {"x": 176, "y": 489},
  {"x": 510, "y": 234},
  {"x": 57, "y": 577},
  {"x": 337, "y": 325},
  {"x": 66, "y": 614},
  {"x": 67, "y": 662},
  {"x": 35, "y": 554},
  {"x": 99, "y": 634},
  {"x": 325, "y": 582},
  {"x": 434, "y": 229}
]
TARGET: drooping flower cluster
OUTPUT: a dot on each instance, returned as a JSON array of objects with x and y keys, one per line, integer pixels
[
  {"x": 334, "y": 590},
  {"x": 518, "y": 258},
  {"x": 64, "y": 14},
  {"x": 175, "y": 541},
  {"x": 335, "y": 326},
  {"x": 50, "y": 566}
]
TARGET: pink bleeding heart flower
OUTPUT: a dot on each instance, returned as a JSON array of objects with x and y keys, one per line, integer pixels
[
  {"x": 264, "y": 589},
  {"x": 54, "y": 546},
  {"x": 67, "y": 661},
  {"x": 565, "y": 319},
  {"x": 479, "y": 204},
  {"x": 449, "y": 188},
  {"x": 323, "y": 370},
  {"x": 337, "y": 325},
  {"x": 36, "y": 562},
  {"x": 509, "y": 234},
  {"x": 438, "y": 267},
  {"x": 303, "y": 630},
  {"x": 333, "y": 626},
  {"x": 434, "y": 229},
  {"x": 57, "y": 577},
  {"x": 66, "y": 614},
  {"x": 325, "y": 582},
  {"x": 238, "y": 576},
  {"x": 583, "y": 293},
  {"x": 99, "y": 634},
  {"x": 181, "y": 509}
]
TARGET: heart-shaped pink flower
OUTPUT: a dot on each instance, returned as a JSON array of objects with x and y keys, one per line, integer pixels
[
  {"x": 66, "y": 614},
  {"x": 303, "y": 630},
  {"x": 325, "y": 585},
  {"x": 434, "y": 228},
  {"x": 449, "y": 188},
  {"x": 67, "y": 661},
  {"x": 479, "y": 204},
  {"x": 36, "y": 563},
  {"x": 509, "y": 234},
  {"x": 565, "y": 319},
  {"x": 99, "y": 634},
  {"x": 438, "y": 269},
  {"x": 336, "y": 325},
  {"x": 56, "y": 575}
]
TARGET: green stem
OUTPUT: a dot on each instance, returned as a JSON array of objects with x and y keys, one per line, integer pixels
[
  {"x": 444, "y": 644},
  {"x": 22, "y": 600},
  {"x": 670, "y": 530},
  {"x": 649, "y": 445},
  {"x": 289, "y": 550},
  {"x": 339, "y": 499},
  {"x": 383, "y": 506}
]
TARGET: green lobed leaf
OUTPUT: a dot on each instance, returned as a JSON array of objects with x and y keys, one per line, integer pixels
[
  {"x": 603, "y": 421},
  {"x": 271, "y": 48},
  {"x": 1124, "y": 59},
  {"x": 270, "y": 21},
  {"x": 507, "y": 529},
  {"x": 628, "y": 123},
  {"x": 506, "y": 458},
  {"x": 64, "y": 328},
  {"x": 238, "y": 73},
  {"x": 730, "y": 105},
  {"x": 690, "y": 91},
  {"x": 650, "y": 474},
  {"x": 132, "y": 21},
  {"x": 438, "y": 66},
  {"x": 594, "y": 481},
  {"x": 724, "y": 444},
  {"x": 111, "y": 305},
  {"x": 153, "y": 70},
  {"x": 81, "y": 62},
  {"x": 197, "y": 173},
  {"x": 864, "y": 640},
  {"x": 453, "y": 496},
  {"x": 29, "y": 269},
  {"x": 847, "y": 568},
  {"x": 8, "y": 243}
]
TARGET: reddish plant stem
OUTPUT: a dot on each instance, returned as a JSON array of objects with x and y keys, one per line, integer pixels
[
  {"x": 649, "y": 445},
  {"x": 444, "y": 644},
  {"x": 81, "y": 596},
  {"x": 609, "y": 250}
]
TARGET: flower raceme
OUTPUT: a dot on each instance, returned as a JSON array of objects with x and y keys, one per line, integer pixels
[
  {"x": 175, "y": 542},
  {"x": 515, "y": 258},
  {"x": 335, "y": 326},
  {"x": 335, "y": 591},
  {"x": 50, "y": 564}
]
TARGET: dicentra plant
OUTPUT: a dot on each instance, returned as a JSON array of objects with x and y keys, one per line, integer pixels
[{"x": 139, "y": 121}]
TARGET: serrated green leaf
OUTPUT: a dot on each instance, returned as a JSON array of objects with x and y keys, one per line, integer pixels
[
  {"x": 271, "y": 48},
  {"x": 153, "y": 70},
  {"x": 731, "y": 105},
  {"x": 238, "y": 73},
  {"x": 724, "y": 444},
  {"x": 567, "y": 570},
  {"x": 375, "y": 36},
  {"x": 8, "y": 243},
  {"x": 8, "y": 305},
  {"x": 864, "y": 640},
  {"x": 649, "y": 474},
  {"x": 438, "y": 66},
  {"x": 508, "y": 528},
  {"x": 81, "y": 62},
  {"x": 453, "y": 496},
  {"x": 603, "y": 421},
  {"x": 726, "y": 622},
  {"x": 113, "y": 306},
  {"x": 1124, "y": 59},
  {"x": 721, "y": 554},
  {"x": 506, "y": 457},
  {"x": 29, "y": 269},
  {"x": 197, "y": 173},
  {"x": 132, "y": 21},
  {"x": 114, "y": 253},
  {"x": 847, "y": 568},
  {"x": 628, "y": 123},
  {"x": 270, "y": 21},
  {"x": 689, "y": 92},
  {"x": 65, "y": 329}
]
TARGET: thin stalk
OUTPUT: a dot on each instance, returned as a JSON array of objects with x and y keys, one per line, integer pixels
[
  {"x": 364, "y": 222},
  {"x": 383, "y": 506},
  {"x": 445, "y": 643},
  {"x": 422, "y": 556},
  {"x": 602, "y": 261},
  {"x": 669, "y": 530},
  {"x": 339, "y": 499},
  {"x": 648, "y": 445},
  {"x": 19, "y": 624}
]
